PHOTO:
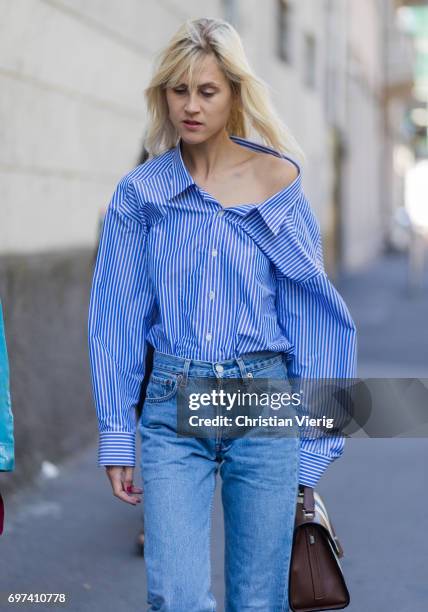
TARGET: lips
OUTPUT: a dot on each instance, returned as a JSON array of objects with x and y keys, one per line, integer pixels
[{"x": 192, "y": 122}]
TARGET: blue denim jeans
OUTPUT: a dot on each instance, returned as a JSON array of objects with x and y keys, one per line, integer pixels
[{"x": 259, "y": 490}]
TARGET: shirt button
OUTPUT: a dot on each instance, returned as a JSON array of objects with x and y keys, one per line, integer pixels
[
  {"x": 209, "y": 336},
  {"x": 214, "y": 252},
  {"x": 212, "y": 295},
  {"x": 219, "y": 367}
]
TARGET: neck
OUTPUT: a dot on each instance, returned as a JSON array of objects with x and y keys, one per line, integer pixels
[{"x": 205, "y": 159}]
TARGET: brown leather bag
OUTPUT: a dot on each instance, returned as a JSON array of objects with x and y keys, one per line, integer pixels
[{"x": 316, "y": 579}]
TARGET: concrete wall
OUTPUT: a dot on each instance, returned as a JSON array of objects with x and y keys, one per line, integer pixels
[
  {"x": 45, "y": 310},
  {"x": 72, "y": 75}
]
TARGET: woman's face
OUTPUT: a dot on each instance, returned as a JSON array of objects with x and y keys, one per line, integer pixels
[{"x": 209, "y": 103}]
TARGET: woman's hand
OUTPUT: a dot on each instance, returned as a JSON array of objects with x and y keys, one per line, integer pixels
[{"x": 121, "y": 480}]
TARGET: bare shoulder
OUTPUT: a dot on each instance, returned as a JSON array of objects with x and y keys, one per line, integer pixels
[{"x": 276, "y": 172}]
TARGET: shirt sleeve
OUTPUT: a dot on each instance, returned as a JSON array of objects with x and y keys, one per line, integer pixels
[
  {"x": 120, "y": 312},
  {"x": 314, "y": 317}
]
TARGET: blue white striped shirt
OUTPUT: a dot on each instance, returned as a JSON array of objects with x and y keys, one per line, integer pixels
[{"x": 205, "y": 282}]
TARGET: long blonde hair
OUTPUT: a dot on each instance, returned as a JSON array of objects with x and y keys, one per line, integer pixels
[{"x": 252, "y": 106}]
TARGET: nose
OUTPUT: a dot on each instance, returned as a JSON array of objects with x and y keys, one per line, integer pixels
[{"x": 192, "y": 103}]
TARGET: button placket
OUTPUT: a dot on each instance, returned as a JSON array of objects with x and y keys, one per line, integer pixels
[{"x": 212, "y": 275}]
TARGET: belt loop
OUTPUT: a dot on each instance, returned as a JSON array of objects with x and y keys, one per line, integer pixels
[
  {"x": 243, "y": 369},
  {"x": 185, "y": 374}
]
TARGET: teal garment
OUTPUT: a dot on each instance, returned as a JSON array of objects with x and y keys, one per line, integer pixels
[{"x": 7, "y": 444}]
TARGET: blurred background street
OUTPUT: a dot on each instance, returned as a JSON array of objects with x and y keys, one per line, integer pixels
[{"x": 350, "y": 79}]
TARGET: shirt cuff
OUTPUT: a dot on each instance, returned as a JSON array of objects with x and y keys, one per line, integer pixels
[
  {"x": 116, "y": 448},
  {"x": 312, "y": 467}
]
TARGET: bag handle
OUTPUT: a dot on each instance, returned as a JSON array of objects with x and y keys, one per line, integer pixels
[{"x": 308, "y": 501}]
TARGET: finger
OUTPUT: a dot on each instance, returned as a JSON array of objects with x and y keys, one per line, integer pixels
[
  {"x": 126, "y": 497},
  {"x": 128, "y": 480},
  {"x": 128, "y": 484},
  {"x": 134, "y": 489}
]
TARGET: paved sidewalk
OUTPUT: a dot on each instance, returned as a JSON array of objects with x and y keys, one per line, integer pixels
[
  {"x": 377, "y": 492},
  {"x": 71, "y": 535},
  {"x": 392, "y": 319}
]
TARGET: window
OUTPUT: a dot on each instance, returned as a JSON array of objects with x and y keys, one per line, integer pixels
[
  {"x": 309, "y": 60},
  {"x": 230, "y": 12},
  {"x": 284, "y": 30}
]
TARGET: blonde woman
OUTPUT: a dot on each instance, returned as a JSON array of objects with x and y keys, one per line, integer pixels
[{"x": 210, "y": 253}]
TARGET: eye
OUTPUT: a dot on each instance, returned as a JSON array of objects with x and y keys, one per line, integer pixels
[{"x": 206, "y": 94}]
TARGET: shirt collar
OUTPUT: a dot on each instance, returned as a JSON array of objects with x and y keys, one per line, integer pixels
[{"x": 273, "y": 210}]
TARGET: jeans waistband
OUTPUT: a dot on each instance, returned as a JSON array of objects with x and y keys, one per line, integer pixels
[{"x": 233, "y": 368}]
